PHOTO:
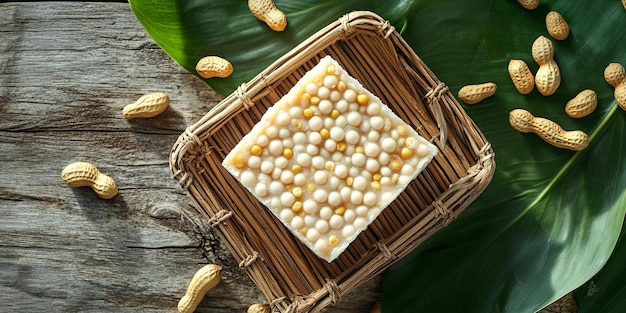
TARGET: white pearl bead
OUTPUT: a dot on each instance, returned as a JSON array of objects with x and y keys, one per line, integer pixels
[
  {"x": 354, "y": 118},
  {"x": 388, "y": 144},
  {"x": 260, "y": 189},
  {"x": 299, "y": 180},
  {"x": 276, "y": 147},
  {"x": 297, "y": 222},
  {"x": 348, "y": 231},
  {"x": 341, "y": 106},
  {"x": 341, "y": 171},
  {"x": 349, "y": 216},
  {"x": 371, "y": 149},
  {"x": 373, "y": 135},
  {"x": 349, "y": 95},
  {"x": 326, "y": 212},
  {"x": 320, "y": 178},
  {"x": 303, "y": 159},
  {"x": 320, "y": 195},
  {"x": 334, "y": 198},
  {"x": 422, "y": 150},
  {"x": 283, "y": 119},
  {"x": 358, "y": 159},
  {"x": 299, "y": 138},
  {"x": 356, "y": 197},
  {"x": 335, "y": 96},
  {"x": 271, "y": 132},
  {"x": 287, "y": 199},
  {"x": 361, "y": 210},
  {"x": 377, "y": 122},
  {"x": 360, "y": 223},
  {"x": 316, "y": 123},
  {"x": 318, "y": 162},
  {"x": 310, "y": 207},
  {"x": 336, "y": 222},
  {"x": 286, "y": 215},
  {"x": 359, "y": 183},
  {"x": 311, "y": 88},
  {"x": 323, "y": 92},
  {"x": 372, "y": 165},
  {"x": 254, "y": 162},
  {"x": 352, "y": 137},
  {"x": 370, "y": 199},
  {"x": 286, "y": 177},
  {"x": 312, "y": 235},
  {"x": 337, "y": 133},
  {"x": 321, "y": 245},
  {"x": 281, "y": 162},
  {"x": 276, "y": 188},
  {"x": 267, "y": 167},
  {"x": 330, "y": 81},
  {"x": 341, "y": 121},
  {"x": 262, "y": 140},
  {"x": 312, "y": 149},
  {"x": 315, "y": 138},
  {"x": 373, "y": 108},
  {"x": 322, "y": 226},
  {"x": 325, "y": 106}
]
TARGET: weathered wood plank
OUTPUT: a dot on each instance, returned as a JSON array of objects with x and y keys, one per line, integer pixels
[{"x": 66, "y": 71}]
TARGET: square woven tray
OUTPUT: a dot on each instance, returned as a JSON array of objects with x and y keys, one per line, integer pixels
[{"x": 291, "y": 276}]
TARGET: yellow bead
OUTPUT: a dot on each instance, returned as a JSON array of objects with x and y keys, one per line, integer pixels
[
  {"x": 349, "y": 181},
  {"x": 406, "y": 153},
  {"x": 329, "y": 166},
  {"x": 324, "y": 133},
  {"x": 341, "y": 86},
  {"x": 287, "y": 153},
  {"x": 340, "y": 210},
  {"x": 297, "y": 192},
  {"x": 239, "y": 161},
  {"x": 377, "y": 176},
  {"x": 306, "y": 97},
  {"x": 334, "y": 114},
  {"x": 362, "y": 99},
  {"x": 297, "y": 206},
  {"x": 256, "y": 150},
  {"x": 296, "y": 169},
  {"x": 402, "y": 130},
  {"x": 315, "y": 100},
  {"x": 359, "y": 149},
  {"x": 310, "y": 187},
  {"x": 341, "y": 146},
  {"x": 410, "y": 142},
  {"x": 318, "y": 80},
  {"x": 375, "y": 185},
  {"x": 333, "y": 240},
  {"x": 395, "y": 164},
  {"x": 394, "y": 178},
  {"x": 308, "y": 113},
  {"x": 330, "y": 69}
]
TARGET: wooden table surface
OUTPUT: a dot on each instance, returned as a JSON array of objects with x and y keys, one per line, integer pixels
[{"x": 66, "y": 71}]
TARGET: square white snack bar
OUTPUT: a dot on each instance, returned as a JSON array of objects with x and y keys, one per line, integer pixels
[{"x": 327, "y": 158}]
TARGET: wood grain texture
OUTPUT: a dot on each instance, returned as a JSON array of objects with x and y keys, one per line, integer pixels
[{"x": 66, "y": 71}]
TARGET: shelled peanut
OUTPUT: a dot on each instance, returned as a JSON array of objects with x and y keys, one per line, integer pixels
[
  {"x": 266, "y": 11},
  {"x": 582, "y": 105},
  {"x": 529, "y": 4},
  {"x": 472, "y": 94},
  {"x": 615, "y": 75},
  {"x": 259, "y": 308},
  {"x": 521, "y": 76},
  {"x": 205, "y": 279},
  {"x": 83, "y": 174},
  {"x": 214, "y": 66},
  {"x": 557, "y": 26},
  {"x": 523, "y": 121},
  {"x": 548, "y": 77},
  {"x": 147, "y": 106}
]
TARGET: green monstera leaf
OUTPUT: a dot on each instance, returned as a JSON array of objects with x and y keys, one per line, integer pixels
[{"x": 550, "y": 218}]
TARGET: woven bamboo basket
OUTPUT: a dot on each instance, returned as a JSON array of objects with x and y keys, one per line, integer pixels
[{"x": 287, "y": 272}]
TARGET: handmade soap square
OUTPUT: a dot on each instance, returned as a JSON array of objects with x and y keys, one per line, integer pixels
[{"x": 327, "y": 158}]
